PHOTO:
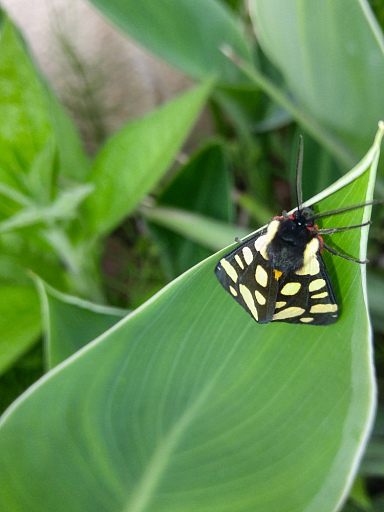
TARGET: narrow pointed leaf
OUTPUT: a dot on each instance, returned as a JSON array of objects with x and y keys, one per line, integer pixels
[
  {"x": 134, "y": 159},
  {"x": 203, "y": 230}
]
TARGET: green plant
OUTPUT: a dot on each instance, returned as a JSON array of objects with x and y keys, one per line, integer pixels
[{"x": 187, "y": 404}]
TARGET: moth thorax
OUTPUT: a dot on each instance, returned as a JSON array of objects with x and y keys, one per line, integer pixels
[{"x": 286, "y": 249}]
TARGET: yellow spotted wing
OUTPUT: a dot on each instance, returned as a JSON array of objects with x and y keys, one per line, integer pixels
[{"x": 271, "y": 296}]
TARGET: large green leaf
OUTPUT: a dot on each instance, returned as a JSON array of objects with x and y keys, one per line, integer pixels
[
  {"x": 188, "y": 35},
  {"x": 331, "y": 55},
  {"x": 188, "y": 404},
  {"x": 134, "y": 159}
]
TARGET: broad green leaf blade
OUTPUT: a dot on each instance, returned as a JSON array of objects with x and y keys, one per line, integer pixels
[
  {"x": 19, "y": 322},
  {"x": 188, "y": 35},
  {"x": 188, "y": 404},
  {"x": 71, "y": 323},
  {"x": 331, "y": 55},
  {"x": 133, "y": 161},
  {"x": 202, "y": 186}
]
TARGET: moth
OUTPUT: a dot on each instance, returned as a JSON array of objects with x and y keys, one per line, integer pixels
[{"x": 279, "y": 275}]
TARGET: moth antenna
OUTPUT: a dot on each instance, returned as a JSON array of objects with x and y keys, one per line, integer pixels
[{"x": 299, "y": 173}]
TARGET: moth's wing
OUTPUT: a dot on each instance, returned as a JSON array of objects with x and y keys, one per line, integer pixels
[
  {"x": 249, "y": 278},
  {"x": 307, "y": 298}
]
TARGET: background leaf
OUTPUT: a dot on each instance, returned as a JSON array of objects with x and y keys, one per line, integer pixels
[
  {"x": 24, "y": 125},
  {"x": 202, "y": 186},
  {"x": 71, "y": 323},
  {"x": 20, "y": 324},
  {"x": 209, "y": 233},
  {"x": 134, "y": 159},
  {"x": 193, "y": 46},
  {"x": 63, "y": 208},
  {"x": 326, "y": 78},
  {"x": 30, "y": 117}
]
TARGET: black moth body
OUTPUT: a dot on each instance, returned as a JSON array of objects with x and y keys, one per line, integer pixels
[{"x": 278, "y": 275}]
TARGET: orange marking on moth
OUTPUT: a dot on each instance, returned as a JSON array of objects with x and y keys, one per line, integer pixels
[{"x": 277, "y": 273}]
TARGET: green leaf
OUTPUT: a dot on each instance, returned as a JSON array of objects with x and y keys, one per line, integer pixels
[
  {"x": 201, "y": 186},
  {"x": 40, "y": 179},
  {"x": 24, "y": 124},
  {"x": 19, "y": 322},
  {"x": 331, "y": 55},
  {"x": 71, "y": 323},
  {"x": 203, "y": 230},
  {"x": 133, "y": 161},
  {"x": 188, "y": 35},
  {"x": 74, "y": 163},
  {"x": 255, "y": 207},
  {"x": 190, "y": 405},
  {"x": 322, "y": 166},
  {"x": 31, "y": 119}
]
